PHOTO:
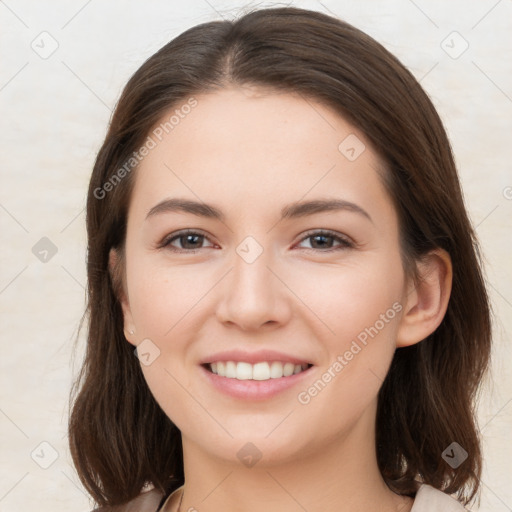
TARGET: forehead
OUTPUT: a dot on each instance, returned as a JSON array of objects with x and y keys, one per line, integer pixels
[
  {"x": 249, "y": 121},
  {"x": 248, "y": 143}
]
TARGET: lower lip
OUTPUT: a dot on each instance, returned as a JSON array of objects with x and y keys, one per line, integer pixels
[{"x": 254, "y": 389}]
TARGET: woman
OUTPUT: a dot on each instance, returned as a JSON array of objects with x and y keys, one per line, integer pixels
[{"x": 277, "y": 231}]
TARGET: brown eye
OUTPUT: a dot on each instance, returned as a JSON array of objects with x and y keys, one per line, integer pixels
[
  {"x": 192, "y": 241},
  {"x": 189, "y": 241},
  {"x": 323, "y": 241}
]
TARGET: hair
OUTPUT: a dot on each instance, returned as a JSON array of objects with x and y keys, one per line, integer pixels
[{"x": 120, "y": 439}]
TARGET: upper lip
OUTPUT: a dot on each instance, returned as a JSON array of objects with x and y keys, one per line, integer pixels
[{"x": 253, "y": 357}]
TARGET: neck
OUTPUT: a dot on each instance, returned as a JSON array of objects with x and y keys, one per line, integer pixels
[{"x": 340, "y": 476}]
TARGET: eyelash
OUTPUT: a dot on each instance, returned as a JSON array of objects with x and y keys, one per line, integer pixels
[{"x": 345, "y": 242}]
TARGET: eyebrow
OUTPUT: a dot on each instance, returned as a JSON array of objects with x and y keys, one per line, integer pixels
[{"x": 293, "y": 210}]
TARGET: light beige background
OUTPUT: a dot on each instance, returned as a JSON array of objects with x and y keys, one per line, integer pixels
[{"x": 55, "y": 111}]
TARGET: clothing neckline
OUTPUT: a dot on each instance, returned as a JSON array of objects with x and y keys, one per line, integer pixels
[
  {"x": 421, "y": 499},
  {"x": 166, "y": 500}
]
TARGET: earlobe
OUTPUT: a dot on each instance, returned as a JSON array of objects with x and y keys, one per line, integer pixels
[
  {"x": 426, "y": 302},
  {"x": 115, "y": 267}
]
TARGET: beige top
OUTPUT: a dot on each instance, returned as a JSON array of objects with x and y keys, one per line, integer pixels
[{"x": 428, "y": 499}]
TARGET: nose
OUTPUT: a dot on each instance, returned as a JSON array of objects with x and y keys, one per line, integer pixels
[{"x": 252, "y": 294}]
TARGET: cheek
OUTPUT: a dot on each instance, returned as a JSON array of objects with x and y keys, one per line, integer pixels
[
  {"x": 360, "y": 310},
  {"x": 348, "y": 383},
  {"x": 163, "y": 297},
  {"x": 348, "y": 300}
]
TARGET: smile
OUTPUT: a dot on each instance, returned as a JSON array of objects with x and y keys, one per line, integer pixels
[{"x": 260, "y": 371}]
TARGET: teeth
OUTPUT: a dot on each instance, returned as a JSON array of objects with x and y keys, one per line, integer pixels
[
  {"x": 243, "y": 371},
  {"x": 288, "y": 369},
  {"x": 258, "y": 371},
  {"x": 261, "y": 371},
  {"x": 230, "y": 369}
]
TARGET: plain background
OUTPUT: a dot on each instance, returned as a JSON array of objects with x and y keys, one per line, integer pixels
[{"x": 55, "y": 111}]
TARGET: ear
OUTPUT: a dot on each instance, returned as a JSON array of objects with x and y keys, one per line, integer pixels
[
  {"x": 426, "y": 302},
  {"x": 116, "y": 273}
]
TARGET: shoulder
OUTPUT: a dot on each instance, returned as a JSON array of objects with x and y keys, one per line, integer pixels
[
  {"x": 430, "y": 499},
  {"x": 145, "y": 502}
]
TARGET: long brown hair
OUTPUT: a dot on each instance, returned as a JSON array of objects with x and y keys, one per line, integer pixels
[{"x": 120, "y": 439}]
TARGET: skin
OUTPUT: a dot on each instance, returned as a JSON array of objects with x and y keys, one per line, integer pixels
[{"x": 250, "y": 152}]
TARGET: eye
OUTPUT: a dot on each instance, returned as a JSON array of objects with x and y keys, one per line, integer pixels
[
  {"x": 323, "y": 240},
  {"x": 189, "y": 240}
]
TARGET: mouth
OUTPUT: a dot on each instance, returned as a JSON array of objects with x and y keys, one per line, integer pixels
[{"x": 261, "y": 371}]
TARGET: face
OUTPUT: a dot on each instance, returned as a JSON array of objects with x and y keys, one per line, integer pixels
[{"x": 258, "y": 284}]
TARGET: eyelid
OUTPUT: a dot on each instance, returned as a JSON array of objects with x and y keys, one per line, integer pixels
[
  {"x": 346, "y": 241},
  {"x": 165, "y": 243}
]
